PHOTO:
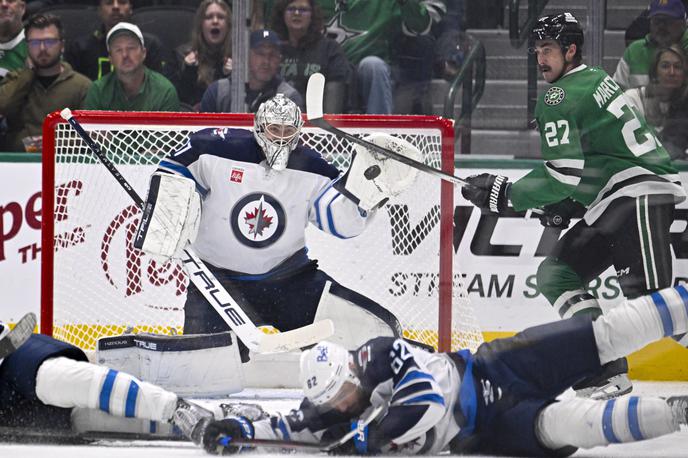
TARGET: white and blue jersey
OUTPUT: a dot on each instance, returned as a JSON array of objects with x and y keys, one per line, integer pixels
[{"x": 254, "y": 218}]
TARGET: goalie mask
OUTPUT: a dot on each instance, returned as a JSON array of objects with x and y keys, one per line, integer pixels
[
  {"x": 277, "y": 127},
  {"x": 326, "y": 376}
]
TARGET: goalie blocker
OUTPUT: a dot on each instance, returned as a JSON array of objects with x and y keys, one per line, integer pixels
[
  {"x": 373, "y": 178},
  {"x": 171, "y": 216}
]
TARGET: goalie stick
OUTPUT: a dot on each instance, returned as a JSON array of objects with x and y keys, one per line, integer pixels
[
  {"x": 17, "y": 335},
  {"x": 298, "y": 445},
  {"x": 211, "y": 288},
  {"x": 314, "y": 113}
]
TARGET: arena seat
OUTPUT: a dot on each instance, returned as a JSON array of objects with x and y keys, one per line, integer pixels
[
  {"x": 77, "y": 20},
  {"x": 171, "y": 24}
]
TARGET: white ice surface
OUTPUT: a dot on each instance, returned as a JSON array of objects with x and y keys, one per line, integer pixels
[{"x": 675, "y": 445}]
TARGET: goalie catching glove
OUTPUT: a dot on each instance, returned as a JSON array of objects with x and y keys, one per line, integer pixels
[
  {"x": 373, "y": 178},
  {"x": 171, "y": 216},
  {"x": 487, "y": 192}
]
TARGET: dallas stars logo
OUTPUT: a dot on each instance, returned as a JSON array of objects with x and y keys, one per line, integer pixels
[
  {"x": 258, "y": 220},
  {"x": 554, "y": 96},
  {"x": 339, "y": 32}
]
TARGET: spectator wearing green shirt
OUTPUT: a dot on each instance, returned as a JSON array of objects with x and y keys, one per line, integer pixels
[
  {"x": 667, "y": 27},
  {"x": 132, "y": 86},
  {"x": 13, "y": 51}
]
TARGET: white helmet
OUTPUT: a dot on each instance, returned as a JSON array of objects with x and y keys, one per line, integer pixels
[
  {"x": 324, "y": 370},
  {"x": 277, "y": 127}
]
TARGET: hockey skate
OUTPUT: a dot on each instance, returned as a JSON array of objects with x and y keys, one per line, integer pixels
[
  {"x": 10, "y": 340},
  {"x": 679, "y": 407},
  {"x": 191, "y": 419},
  {"x": 610, "y": 383}
]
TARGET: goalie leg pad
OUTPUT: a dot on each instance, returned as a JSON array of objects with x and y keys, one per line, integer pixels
[
  {"x": 171, "y": 216},
  {"x": 354, "y": 323},
  {"x": 67, "y": 383},
  {"x": 587, "y": 423},
  {"x": 190, "y": 365},
  {"x": 373, "y": 178}
]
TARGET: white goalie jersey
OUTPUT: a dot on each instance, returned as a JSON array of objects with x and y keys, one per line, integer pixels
[
  {"x": 254, "y": 218},
  {"x": 419, "y": 392}
]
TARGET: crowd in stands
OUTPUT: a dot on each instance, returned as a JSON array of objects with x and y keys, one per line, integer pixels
[{"x": 377, "y": 57}]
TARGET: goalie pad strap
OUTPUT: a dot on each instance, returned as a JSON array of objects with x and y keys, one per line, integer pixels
[{"x": 171, "y": 216}]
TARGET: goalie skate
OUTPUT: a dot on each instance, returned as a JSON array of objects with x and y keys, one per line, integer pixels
[{"x": 12, "y": 339}]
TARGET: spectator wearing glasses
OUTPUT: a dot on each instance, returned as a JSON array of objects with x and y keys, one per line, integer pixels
[
  {"x": 48, "y": 84},
  {"x": 13, "y": 50},
  {"x": 208, "y": 57},
  {"x": 667, "y": 27},
  {"x": 305, "y": 50}
]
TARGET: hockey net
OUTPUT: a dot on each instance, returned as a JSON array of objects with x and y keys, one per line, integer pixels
[{"x": 94, "y": 283}]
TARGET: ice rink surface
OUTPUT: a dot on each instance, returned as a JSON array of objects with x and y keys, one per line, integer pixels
[{"x": 674, "y": 446}]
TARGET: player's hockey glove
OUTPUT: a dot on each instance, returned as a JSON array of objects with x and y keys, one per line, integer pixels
[
  {"x": 487, "y": 192},
  {"x": 218, "y": 435},
  {"x": 560, "y": 214},
  {"x": 360, "y": 443}
]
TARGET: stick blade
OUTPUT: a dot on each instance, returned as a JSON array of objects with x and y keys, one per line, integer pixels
[
  {"x": 296, "y": 338},
  {"x": 314, "y": 96}
]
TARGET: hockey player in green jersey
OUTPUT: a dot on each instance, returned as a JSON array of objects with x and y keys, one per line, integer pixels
[{"x": 602, "y": 163}]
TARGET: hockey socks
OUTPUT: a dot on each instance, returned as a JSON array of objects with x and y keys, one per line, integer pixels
[
  {"x": 587, "y": 423},
  {"x": 638, "y": 322},
  {"x": 64, "y": 382}
]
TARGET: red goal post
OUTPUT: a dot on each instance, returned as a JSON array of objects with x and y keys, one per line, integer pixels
[{"x": 94, "y": 283}]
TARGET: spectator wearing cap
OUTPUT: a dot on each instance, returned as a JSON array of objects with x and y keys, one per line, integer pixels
[
  {"x": 667, "y": 27},
  {"x": 264, "y": 81},
  {"x": 13, "y": 51},
  {"x": 89, "y": 54},
  {"x": 132, "y": 86},
  {"x": 48, "y": 84}
]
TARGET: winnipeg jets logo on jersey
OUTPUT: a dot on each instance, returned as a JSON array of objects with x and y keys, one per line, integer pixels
[{"x": 258, "y": 220}]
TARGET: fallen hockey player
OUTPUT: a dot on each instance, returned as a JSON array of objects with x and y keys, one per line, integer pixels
[{"x": 500, "y": 400}]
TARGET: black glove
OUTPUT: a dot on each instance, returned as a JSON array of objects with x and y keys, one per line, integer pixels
[
  {"x": 218, "y": 435},
  {"x": 487, "y": 192},
  {"x": 560, "y": 213}
]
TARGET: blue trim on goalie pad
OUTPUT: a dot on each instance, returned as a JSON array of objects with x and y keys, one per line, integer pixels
[
  {"x": 684, "y": 296},
  {"x": 664, "y": 313},
  {"x": 608, "y": 422},
  {"x": 132, "y": 396},
  {"x": 106, "y": 391}
]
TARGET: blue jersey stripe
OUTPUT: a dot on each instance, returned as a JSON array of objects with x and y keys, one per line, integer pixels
[
  {"x": 180, "y": 169},
  {"x": 132, "y": 396},
  {"x": 607, "y": 422},
  {"x": 633, "y": 423},
  {"x": 316, "y": 205},
  {"x": 684, "y": 296},
  {"x": 152, "y": 427},
  {"x": 430, "y": 397},
  {"x": 106, "y": 390},
  {"x": 664, "y": 314},
  {"x": 283, "y": 429},
  {"x": 414, "y": 375}
]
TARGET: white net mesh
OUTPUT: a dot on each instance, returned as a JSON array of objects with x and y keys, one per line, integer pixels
[{"x": 103, "y": 286}]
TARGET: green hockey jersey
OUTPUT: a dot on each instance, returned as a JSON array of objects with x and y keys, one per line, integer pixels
[
  {"x": 596, "y": 148},
  {"x": 13, "y": 54}
]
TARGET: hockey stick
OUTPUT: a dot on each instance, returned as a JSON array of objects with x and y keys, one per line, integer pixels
[
  {"x": 314, "y": 113},
  {"x": 16, "y": 337},
  {"x": 298, "y": 445},
  {"x": 211, "y": 288}
]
